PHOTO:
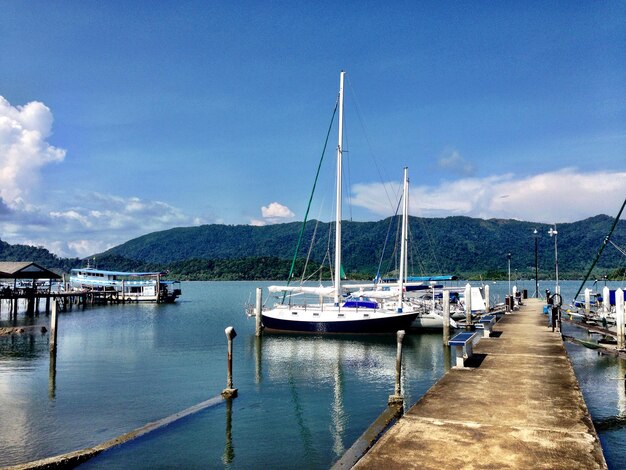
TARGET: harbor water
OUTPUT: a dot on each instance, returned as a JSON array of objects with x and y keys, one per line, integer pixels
[{"x": 303, "y": 399}]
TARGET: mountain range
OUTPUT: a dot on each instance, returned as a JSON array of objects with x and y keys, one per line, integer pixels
[{"x": 464, "y": 246}]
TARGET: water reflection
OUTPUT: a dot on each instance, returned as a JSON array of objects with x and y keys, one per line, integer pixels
[
  {"x": 52, "y": 375},
  {"x": 447, "y": 358},
  {"x": 618, "y": 421},
  {"x": 301, "y": 361},
  {"x": 229, "y": 449},
  {"x": 258, "y": 367},
  {"x": 621, "y": 387},
  {"x": 337, "y": 417}
]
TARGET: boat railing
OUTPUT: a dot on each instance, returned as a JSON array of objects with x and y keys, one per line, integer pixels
[{"x": 322, "y": 307}]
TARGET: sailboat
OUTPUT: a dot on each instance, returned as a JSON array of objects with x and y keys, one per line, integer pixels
[{"x": 351, "y": 314}]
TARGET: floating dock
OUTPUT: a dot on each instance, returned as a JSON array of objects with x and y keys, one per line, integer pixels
[{"x": 516, "y": 404}]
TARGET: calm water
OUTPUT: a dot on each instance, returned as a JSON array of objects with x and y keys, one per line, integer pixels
[{"x": 303, "y": 400}]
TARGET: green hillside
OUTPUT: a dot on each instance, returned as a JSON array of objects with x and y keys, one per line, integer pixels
[
  {"x": 462, "y": 246},
  {"x": 37, "y": 255},
  {"x": 458, "y": 245}
]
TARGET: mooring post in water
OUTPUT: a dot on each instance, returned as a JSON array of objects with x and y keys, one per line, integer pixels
[
  {"x": 53, "y": 328},
  {"x": 619, "y": 318},
  {"x": 606, "y": 299},
  {"x": 397, "y": 398},
  {"x": 587, "y": 300},
  {"x": 257, "y": 310},
  {"x": 229, "y": 391},
  {"x": 446, "y": 317},
  {"x": 468, "y": 304}
]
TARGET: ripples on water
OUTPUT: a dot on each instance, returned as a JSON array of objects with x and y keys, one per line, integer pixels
[{"x": 303, "y": 400}]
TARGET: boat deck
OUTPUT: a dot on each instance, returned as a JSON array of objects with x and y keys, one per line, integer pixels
[{"x": 517, "y": 405}]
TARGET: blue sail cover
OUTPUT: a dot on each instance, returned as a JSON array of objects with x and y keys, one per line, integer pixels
[
  {"x": 418, "y": 279},
  {"x": 353, "y": 302}
]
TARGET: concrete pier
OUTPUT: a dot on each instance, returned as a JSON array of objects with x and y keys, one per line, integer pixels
[{"x": 518, "y": 405}]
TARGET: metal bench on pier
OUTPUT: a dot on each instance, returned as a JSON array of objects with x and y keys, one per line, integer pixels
[
  {"x": 463, "y": 346},
  {"x": 487, "y": 322}
]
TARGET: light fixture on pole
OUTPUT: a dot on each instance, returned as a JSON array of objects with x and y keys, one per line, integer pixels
[
  {"x": 536, "y": 236},
  {"x": 551, "y": 232}
]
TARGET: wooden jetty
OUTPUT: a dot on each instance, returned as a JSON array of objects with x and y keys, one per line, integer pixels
[
  {"x": 28, "y": 283},
  {"x": 10, "y": 299},
  {"x": 516, "y": 404}
]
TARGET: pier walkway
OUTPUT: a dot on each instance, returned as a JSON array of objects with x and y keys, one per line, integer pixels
[{"x": 518, "y": 406}]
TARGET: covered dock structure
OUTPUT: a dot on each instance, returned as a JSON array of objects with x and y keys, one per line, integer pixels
[{"x": 28, "y": 281}]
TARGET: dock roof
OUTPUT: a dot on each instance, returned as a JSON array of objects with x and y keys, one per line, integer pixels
[{"x": 25, "y": 270}]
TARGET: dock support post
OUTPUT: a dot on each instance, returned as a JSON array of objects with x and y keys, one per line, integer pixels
[
  {"x": 587, "y": 300},
  {"x": 468, "y": 304},
  {"x": 606, "y": 300},
  {"x": 446, "y": 317},
  {"x": 487, "y": 306},
  {"x": 53, "y": 329},
  {"x": 257, "y": 310},
  {"x": 397, "y": 398},
  {"x": 619, "y": 317},
  {"x": 229, "y": 391}
]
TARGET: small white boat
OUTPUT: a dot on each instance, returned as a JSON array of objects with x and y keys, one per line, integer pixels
[
  {"x": 130, "y": 286},
  {"x": 431, "y": 312}
]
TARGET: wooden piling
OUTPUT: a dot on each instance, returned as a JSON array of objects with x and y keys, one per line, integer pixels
[
  {"x": 468, "y": 304},
  {"x": 619, "y": 317},
  {"x": 397, "y": 398},
  {"x": 587, "y": 300},
  {"x": 229, "y": 391},
  {"x": 53, "y": 328},
  {"x": 257, "y": 310},
  {"x": 487, "y": 306},
  {"x": 446, "y": 317}
]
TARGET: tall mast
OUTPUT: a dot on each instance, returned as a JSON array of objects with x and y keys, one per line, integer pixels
[
  {"x": 339, "y": 196},
  {"x": 604, "y": 243},
  {"x": 405, "y": 237}
]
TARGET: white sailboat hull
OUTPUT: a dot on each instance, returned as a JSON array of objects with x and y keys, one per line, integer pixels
[{"x": 327, "y": 318}]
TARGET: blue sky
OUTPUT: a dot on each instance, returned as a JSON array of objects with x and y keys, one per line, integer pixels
[{"x": 122, "y": 118}]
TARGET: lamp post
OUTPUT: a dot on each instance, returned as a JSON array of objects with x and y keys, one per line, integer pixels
[
  {"x": 551, "y": 232},
  {"x": 536, "y": 236},
  {"x": 509, "y": 258}
]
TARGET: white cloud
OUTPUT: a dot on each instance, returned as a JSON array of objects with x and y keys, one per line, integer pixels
[
  {"x": 73, "y": 224},
  {"x": 561, "y": 196},
  {"x": 452, "y": 160},
  {"x": 276, "y": 210},
  {"x": 95, "y": 224},
  {"x": 23, "y": 147},
  {"x": 272, "y": 214}
]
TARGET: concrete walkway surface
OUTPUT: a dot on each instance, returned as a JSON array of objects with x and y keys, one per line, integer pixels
[{"x": 518, "y": 406}]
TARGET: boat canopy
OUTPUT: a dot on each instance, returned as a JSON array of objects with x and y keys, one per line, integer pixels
[
  {"x": 115, "y": 273},
  {"x": 319, "y": 290}
]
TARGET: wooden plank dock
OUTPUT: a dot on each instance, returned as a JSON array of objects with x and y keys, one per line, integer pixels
[{"x": 518, "y": 405}]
